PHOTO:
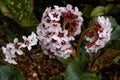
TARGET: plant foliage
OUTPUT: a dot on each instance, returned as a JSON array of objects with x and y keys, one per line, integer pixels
[{"x": 10, "y": 73}]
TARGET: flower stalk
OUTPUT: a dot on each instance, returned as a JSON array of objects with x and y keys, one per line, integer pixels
[{"x": 82, "y": 36}]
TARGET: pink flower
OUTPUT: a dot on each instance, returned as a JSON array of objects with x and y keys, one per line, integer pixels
[
  {"x": 103, "y": 28},
  {"x": 17, "y": 46},
  {"x": 55, "y": 15},
  {"x": 12, "y": 49},
  {"x": 54, "y": 34},
  {"x": 30, "y": 41},
  {"x": 8, "y": 49},
  {"x": 10, "y": 59},
  {"x": 72, "y": 17},
  {"x": 9, "y": 53},
  {"x": 61, "y": 35}
]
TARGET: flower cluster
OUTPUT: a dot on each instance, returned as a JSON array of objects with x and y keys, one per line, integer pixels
[
  {"x": 103, "y": 30},
  {"x": 57, "y": 28},
  {"x": 12, "y": 49}
]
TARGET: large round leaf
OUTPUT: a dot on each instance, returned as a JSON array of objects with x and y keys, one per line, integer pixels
[
  {"x": 10, "y": 73},
  {"x": 19, "y": 10}
]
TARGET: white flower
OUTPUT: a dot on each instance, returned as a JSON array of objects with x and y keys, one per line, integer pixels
[
  {"x": 17, "y": 46},
  {"x": 69, "y": 7},
  {"x": 9, "y": 53},
  {"x": 61, "y": 35},
  {"x": 66, "y": 53},
  {"x": 8, "y": 49},
  {"x": 41, "y": 32},
  {"x": 55, "y": 15},
  {"x": 77, "y": 12},
  {"x": 30, "y": 41},
  {"x": 55, "y": 36},
  {"x": 46, "y": 12},
  {"x": 10, "y": 59},
  {"x": 103, "y": 29}
]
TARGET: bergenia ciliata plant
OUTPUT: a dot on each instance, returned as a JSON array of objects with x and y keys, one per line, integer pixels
[
  {"x": 58, "y": 27},
  {"x": 53, "y": 32}
]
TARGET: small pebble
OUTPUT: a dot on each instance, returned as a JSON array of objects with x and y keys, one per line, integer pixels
[{"x": 34, "y": 75}]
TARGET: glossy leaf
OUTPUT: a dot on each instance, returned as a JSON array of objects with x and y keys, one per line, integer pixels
[
  {"x": 116, "y": 29},
  {"x": 65, "y": 61},
  {"x": 99, "y": 10},
  {"x": 89, "y": 76},
  {"x": 76, "y": 70},
  {"x": 19, "y": 10},
  {"x": 114, "y": 44},
  {"x": 10, "y": 73},
  {"x": 108, "y": 8},
  {"x": 116, "y": 33}
]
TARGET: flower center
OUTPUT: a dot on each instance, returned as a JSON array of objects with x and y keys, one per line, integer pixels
[
  {"x": 16, "y": 45},
  {"x": 60, "y": 34},
  {"x": 26, "y": 42}
]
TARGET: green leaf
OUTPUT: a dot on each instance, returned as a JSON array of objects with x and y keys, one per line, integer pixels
[
  {"x": 99, "y": 10},
  {"x": 89, "y": 76},
  {"x": 115, "y": 33},
  {"x": 59, "y": 77},
  {"x": 87, "y": 10},
  {"x": 19, "y": 10},
  {"x": 108, "y": 8},
  {"x": 83, "y": 51},
  {"x": 116, "y": 29},
  {"x": 75, "y": 68},
  {"x": 113, "y": 22},
  {"x": 65, "y": 61},
  {"x": 116, "y": 60},
  {"x": 10, "y": 73},
  {"x": 114, "y": 44}
]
